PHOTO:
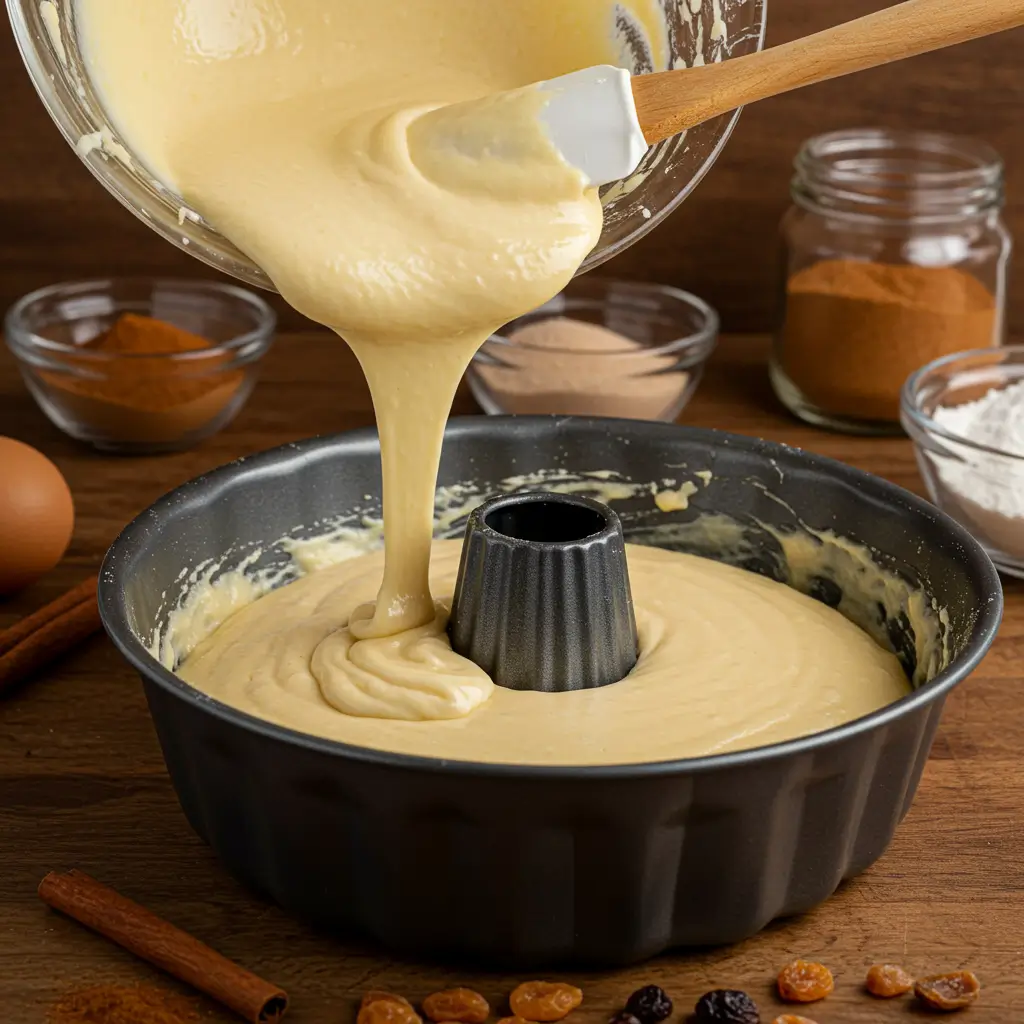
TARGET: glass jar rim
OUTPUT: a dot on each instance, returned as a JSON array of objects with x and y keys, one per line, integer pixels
[{"x": 886, "y": 172}]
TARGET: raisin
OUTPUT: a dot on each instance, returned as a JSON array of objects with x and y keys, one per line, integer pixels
[
  {"x": 512, "y": 1020},
  {"x": 385, "y": 1008},
  {"x": 457, "y": 1006},
  {"x": 375, "y": 995},
  {"x": 888, "y": 980},
  {"x": 789, "y": 1018},
  {"x": 544, "y": 1000},
  {"x": 726, "y": 1006},
  {"x": 624, "y": 1017},
  {"x": 804, "y": 982},
  {"x": 948, "y": 991},
  {"x": 650, "y": 1005}
]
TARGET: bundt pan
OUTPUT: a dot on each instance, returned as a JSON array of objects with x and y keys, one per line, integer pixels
[{"x": 534, "y": 865}]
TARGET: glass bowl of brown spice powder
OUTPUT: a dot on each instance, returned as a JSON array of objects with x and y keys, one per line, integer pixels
[
  {"x": 601, "y": 347},
  {"x": 140, "y": 366}
]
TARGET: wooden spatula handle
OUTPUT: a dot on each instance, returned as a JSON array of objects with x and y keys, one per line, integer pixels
[{"x": 672, "y": 101}]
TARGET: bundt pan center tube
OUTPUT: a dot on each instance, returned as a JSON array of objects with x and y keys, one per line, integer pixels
[
  {"x": 542, "y": 600},
  {"x": 537, "y": 866}
]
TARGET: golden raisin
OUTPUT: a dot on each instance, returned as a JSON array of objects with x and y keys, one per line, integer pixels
[
  {"x": 804, "y": 982},
  {"x": 457, "y": 1006},
  {"x": 789, "y": 1018},
  {"x": 544, "y": 1000},
  {"x": 512, "y": 1020},
  {"x": 888, "y": 980},
  {"x": 948, "y": 991},
  {"x": 375, "y": 995},
  {"x": 386, "y": 1008}
]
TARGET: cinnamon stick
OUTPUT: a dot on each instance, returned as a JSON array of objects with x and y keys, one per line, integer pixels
[
  {"x": 20, "y": 631},
  {"x": 155, "y": 940},
  {"x": 41, "y": 638}
]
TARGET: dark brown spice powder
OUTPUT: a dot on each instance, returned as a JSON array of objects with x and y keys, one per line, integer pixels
[
  {"x": 854, "y": 331},
  {"x": 147, "y": 397},
  {"x": 123, "y": 1004}
]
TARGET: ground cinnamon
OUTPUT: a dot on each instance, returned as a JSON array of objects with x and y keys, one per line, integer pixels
[
  {"x": 854, "y": 331},
  {"x": 122, "y": 1004},
  {"x": 145, "y": 398}
]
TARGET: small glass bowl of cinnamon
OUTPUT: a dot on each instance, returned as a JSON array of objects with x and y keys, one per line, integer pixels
[
  {"x": 601, "y": 347},
  {"x": 140, "y": 366}
]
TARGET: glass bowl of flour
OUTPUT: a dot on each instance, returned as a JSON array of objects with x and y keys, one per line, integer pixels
[
  {"x": 692, "y": 32},
  {"x": 965, "y": 414}
]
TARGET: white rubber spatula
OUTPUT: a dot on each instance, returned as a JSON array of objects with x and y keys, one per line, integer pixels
[{"x": 604, "y": 120}]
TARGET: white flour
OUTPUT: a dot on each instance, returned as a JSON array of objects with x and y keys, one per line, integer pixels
[
  {"x": 996, "y": 420},
  {"x": 987, "y": 490}
]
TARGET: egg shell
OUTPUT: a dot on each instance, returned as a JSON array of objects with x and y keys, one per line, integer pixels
[{"x": 37, "y": 515}]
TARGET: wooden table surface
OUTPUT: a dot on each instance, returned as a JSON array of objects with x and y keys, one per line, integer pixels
[{"x": 82, "y": 780}]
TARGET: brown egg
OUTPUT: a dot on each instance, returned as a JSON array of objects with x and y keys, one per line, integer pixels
[{"x": 37, "y": 515}]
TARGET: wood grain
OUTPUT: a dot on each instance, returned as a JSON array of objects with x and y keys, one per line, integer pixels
[
  {"x": 82, "y": 781},
  {"x": 673, "y": 101},
  {"x": 723, "y": 244},
  {"x": 139, "y": 931},
  {"x": 59, "y": 224}
]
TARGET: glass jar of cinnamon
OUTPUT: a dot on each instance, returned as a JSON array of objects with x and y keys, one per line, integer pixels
[{"x": 895, "y": 253}]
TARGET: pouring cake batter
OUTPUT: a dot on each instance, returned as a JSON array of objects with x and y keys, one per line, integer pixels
[
  {"x": 298, "y": 128},
  {"x": 292, "y": 126}
]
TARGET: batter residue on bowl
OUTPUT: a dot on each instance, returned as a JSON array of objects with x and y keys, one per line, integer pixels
[{"x": 297, "y": 129}]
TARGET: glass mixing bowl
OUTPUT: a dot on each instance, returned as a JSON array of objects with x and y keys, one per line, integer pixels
[{"x": 48, "y": 41}]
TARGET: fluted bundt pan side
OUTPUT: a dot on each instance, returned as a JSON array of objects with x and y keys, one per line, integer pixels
[{"x": 534, "y": 865}]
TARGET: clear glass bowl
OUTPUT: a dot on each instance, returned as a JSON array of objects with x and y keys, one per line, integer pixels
[
  {"x": 134, "y": 403},
  {"x": 542, "y": 364},
  {"x": 980, "y": 486},
  {"x": 667, "y": 176}
]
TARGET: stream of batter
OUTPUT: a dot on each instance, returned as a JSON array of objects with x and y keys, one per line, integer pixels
[
  {"x": 292, "y": 126},
  {"x": 296, "y": 128}
]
